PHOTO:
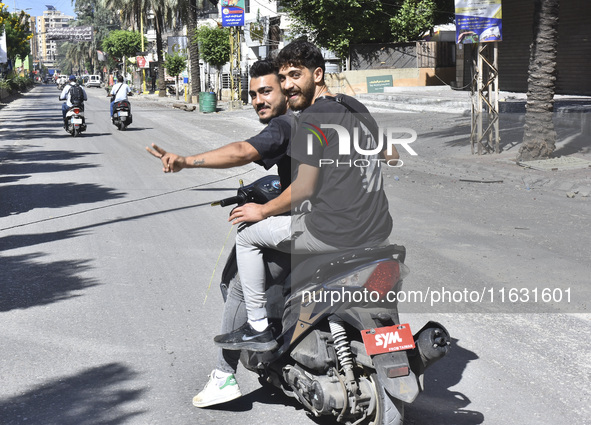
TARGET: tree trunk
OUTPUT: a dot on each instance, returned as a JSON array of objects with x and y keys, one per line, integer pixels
[
  {"x": 159, "y": 47},
  {"x": 193, "y": 48},
  {"x": 539, "y": 138}
]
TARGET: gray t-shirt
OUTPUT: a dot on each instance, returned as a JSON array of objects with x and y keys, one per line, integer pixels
[{"x": 349, "y": 208}]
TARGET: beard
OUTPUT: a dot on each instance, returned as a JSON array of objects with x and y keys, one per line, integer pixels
[
  {"x": 273, "y": 112},
  {"x": 305, "y": 98}
]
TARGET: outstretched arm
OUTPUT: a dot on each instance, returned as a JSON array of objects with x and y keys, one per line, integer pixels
[{"x": 231, "y": 155}]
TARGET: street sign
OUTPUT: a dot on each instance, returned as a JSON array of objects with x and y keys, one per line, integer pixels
[
  {"x": 377, "y": 84},
  {"x": 478, "y": 21},
  {"x": 232, "y": 13},
  {"x": 85, "y": 33},
  {"x": 142, "y": 62},
  {"x": 177, "y": 45}
]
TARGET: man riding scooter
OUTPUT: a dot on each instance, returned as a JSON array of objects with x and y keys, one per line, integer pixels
[{"x": 74, "y": 95}]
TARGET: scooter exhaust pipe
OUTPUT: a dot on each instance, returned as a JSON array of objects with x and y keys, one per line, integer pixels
[{"x": 432, "y": 343}]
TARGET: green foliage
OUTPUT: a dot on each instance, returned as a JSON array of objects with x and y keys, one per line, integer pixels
[
  {"x": 175, "y": 64},
  {"x": 336, "y": 24},
  {"x": 121, "y": 43},
  {"x": 16, "y": 84},
  {"x": 18, "y": 35},
  {"x": 214, "y": 44},
  {"x": 412, "y": 20}
]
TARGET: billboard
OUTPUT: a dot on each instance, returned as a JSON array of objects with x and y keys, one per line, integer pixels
[
  {"x": 178, "y": 45},
  {"x": 85, "y": 33},
  {"x": 232, "y": 13},
  {"x": 478, "y": 21}
]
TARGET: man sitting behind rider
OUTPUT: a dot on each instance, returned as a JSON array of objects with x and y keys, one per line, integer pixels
[
  {"x": 120, "y": 90},
  {"x": 66, "y": 95}
]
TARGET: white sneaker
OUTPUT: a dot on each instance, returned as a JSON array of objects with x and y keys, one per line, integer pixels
[{"x": 217, "y": 391}]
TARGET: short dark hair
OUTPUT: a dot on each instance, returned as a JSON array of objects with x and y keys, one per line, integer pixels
[
  {"x": 300, "y": 53},
  {"x": 119, "y": 78},
  {"x": 261, "y": 68}
]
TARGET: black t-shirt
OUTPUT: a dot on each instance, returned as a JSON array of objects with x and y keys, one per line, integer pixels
[
  {"x": 272, "y": 144},
  {"x": 349, "y": 208}
]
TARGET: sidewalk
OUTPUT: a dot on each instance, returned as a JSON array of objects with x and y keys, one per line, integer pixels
[
  {"x": 447, "y": 100},
  {"x": 169, "y": 101}
]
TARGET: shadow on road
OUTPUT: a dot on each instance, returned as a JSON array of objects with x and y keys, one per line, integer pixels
[
  {"x": 266, "y": 394},
  {"x": 439, "y": 404},
  {"x": 26, "y": 281},
  {"x": 95, "y": 396},
  {"x": 18, "y": 199}
]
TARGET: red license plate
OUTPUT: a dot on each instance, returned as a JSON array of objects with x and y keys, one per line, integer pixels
[{"x": 388, "y": 339}]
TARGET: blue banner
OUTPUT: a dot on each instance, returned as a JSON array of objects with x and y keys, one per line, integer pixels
[
  {"x": 233, "y": 13},
  {"x": 478, "y": 21}
]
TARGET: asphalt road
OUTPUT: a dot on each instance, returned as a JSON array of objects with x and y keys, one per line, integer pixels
[{"x": 109, "y": 271}]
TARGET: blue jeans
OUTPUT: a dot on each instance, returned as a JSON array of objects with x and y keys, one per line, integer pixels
[
  {"x": 112, "y": 104},
  {"x": 65, "y": 108}
]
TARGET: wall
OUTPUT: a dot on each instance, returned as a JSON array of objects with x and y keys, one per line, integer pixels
[
  {"x": 355, "y": 82},
  {"x": 574, "y": 46}
]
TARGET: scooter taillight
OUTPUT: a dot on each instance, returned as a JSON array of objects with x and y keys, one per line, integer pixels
[
  {"x": 383, "y": 278},
  {"x": 76, "y": 110},
  {"x": 378, "y": 277}
]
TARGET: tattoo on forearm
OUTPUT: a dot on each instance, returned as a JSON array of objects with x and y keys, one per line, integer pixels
[{"x": 198, "y": 162}]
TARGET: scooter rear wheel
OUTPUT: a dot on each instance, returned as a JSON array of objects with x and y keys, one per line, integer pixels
[{"x": 389, "y": 410}]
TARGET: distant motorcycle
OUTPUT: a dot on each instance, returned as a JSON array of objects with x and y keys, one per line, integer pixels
[
  {"x": 75, "y": 122},
  {"x": 122, "y": 114}
]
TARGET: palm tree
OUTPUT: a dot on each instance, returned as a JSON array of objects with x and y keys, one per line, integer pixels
[
  {"x": 539, "y": 139},
  {"x": 189, "y": 10},
  {"x": 164, "y": 12}
]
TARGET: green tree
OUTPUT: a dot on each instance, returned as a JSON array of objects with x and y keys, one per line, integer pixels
[
  {"x": 214, "y": 47},
  {"x": 122, "y": 43},
  {"x": 175, "y": 64},
  {"x": 18, "y": 35},
  {"x": 215, "y": 44},
  {"x": 4, "y": 14},
  {"x": 412, "y": 20},
  {"x": 336, "y": 24}
]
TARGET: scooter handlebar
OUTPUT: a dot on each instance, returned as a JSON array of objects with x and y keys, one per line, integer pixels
[{"x": 229, "y": 201}]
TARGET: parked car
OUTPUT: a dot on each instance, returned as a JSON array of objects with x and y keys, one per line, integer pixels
[{"x": 94, "y": 81}]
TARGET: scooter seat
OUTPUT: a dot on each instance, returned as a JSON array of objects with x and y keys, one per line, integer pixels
[{"x": 321, "y": 267}]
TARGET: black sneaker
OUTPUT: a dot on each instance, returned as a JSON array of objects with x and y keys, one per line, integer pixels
[{"x": 246, "y": 338}]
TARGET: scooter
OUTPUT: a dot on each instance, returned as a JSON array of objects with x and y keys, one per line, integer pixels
[
  {"x": 342, "y": 351},
  {"x": 122, "y": 115},
  {"x": 75, "y": 122}
]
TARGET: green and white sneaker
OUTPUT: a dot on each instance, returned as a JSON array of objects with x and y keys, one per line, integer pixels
[{"x": 217, "y": 391}]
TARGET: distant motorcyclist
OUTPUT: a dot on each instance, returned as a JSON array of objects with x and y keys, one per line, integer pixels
[
  {"x": 119, "y": 92},
  {"x": 74, "y": 95}
]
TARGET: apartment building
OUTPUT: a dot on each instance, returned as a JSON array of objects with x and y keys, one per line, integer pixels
[{"x": 52, "y": 18}]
